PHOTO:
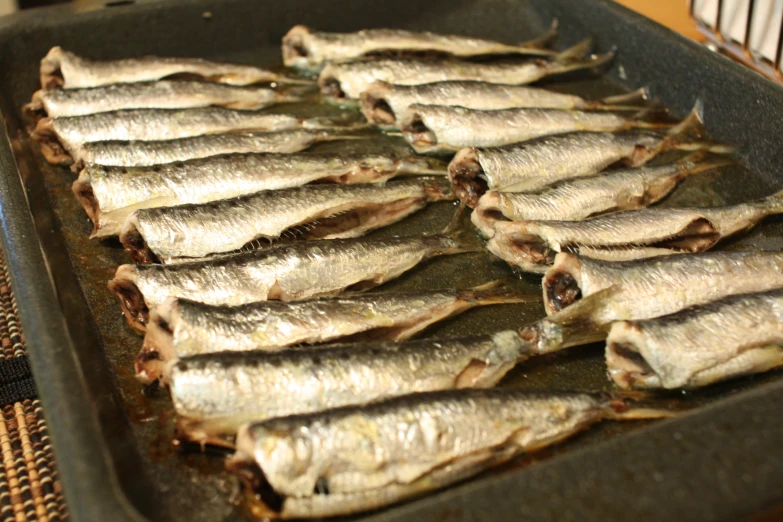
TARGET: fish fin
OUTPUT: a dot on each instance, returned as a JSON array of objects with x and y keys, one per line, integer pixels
[
  {"x": 498, "y": 292},
  {"x": 639, "y": 96},
  {"x": 593, "y": 62},
  {"x": 546, "y": 39},
  {"x": 462, "y": 233}
]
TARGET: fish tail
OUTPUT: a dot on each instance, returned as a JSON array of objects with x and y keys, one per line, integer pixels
[
  {"x": 691, "y": 128},
  {"x": 294, "y": 93},
  {"x": 463, "y": 234},
  {"x": 592, "y": 62},
  {"x": 575, "y": 52},
  {"x": 701, "y": 161},
  {"x": 329, "y": 123},
  {"x": 437, "y": 188},
  {"x": 295, "y": 81},
  {"x": 546, "y": 39},
  {"x": 637, "y": 97},
  {"x": 498, "y": 292},
  {"x": 772, "y": 204},
  {"x": 620, "y": 406}
]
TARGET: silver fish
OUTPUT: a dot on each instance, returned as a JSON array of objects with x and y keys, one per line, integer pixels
[
  {"x": 735, "y": 336},
  {"x": 110, "y": 194},
  {"x": 146, "y": 153},
  {"x": 384, "y": 103},
  {"x": 350, "y": 79},
  {"x": 180, "y": 328},
  {"x": 70, "y": 134},
  {"x": 443, "y": 129},
  {"x": 538, "y": 163},
  {"x": 655, "y": 287},
  {"x": 286, "y": 272},
  {"x": 56, "y": 103},
  {"x": 167, "y": 234},
  {"x": 214, "y": 394},
  {"x": 64, "y": 69},
  {"x": 306, "y": 49},
  {"x": 580, "y": 198},
  {"x": 633, "y": 234},
  {"x": 358, "y": 458}
]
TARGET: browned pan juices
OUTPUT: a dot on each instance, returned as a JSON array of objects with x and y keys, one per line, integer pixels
[{"x": 195, "y": 486}]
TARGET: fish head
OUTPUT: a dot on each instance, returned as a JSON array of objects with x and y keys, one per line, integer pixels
[{"x": 286, "y": 459}]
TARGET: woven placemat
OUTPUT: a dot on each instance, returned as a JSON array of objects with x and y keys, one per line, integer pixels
[{"x": 29, "y": 488}]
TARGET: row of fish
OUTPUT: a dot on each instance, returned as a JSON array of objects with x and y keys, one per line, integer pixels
[{"x": 194, "y": 180}]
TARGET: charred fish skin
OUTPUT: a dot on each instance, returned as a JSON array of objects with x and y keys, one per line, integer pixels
[
  {"x": 181, "y": 328},
  {"x": 285, "y": 272},
  {"x": 440, "y": 128},
  {"x": 63, "y": 69},
  {"x": 214, "y": 394},
  {"x": 110, "y": 194},
  {"x": 363, "y": 455},
  {"x": 304, "y": 48},
  {"x": 229, "y": 225},
  {"x": 677, "y": 282},
  {"x": 535, "y": 164},
  {"x": 148, "y": 153},
  {"x": 384, "y": 103},
  {"x": 350, "y": 79},
  {"x": 56, "y": 103},
  {"x": 580, "y": 198},
  {"x": 632, "y": 234},
  {"x": 735, "y": 336}
]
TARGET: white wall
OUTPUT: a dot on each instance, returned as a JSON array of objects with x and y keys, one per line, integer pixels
[{"x": 7, "y": 6}]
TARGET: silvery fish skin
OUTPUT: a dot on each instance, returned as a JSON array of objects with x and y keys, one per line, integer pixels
[
  {"x": 358, "y": 458},
  {"x": 676, "y": 282},
  {"x": 530, "y": 166},
  {"x": 735, "y": 336},
  {"x": 146, "y": 153},
  {"x": 71, "y": 133},
  {"x": 580, "y": 198},
  {"x": 350, "y": 79},
  {"x": 305, "y": 48},
  {"x": 384, "y": 103},
  {"x": 180, "y": 328},
  {"x": 110, "y": 194},
  {"x": 60, "y": 68},
  {"x": 633, "y": 234},
  {"x": 214, "y": 394},
  {"x": 286, "y": 272},
  {"x": 168, "y": 234},
  {"x": 56, "y": 103},
  {"x": 442, "y": 128}
]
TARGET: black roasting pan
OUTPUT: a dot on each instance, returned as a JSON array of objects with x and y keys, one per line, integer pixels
[{"x": 723, "y": 460}]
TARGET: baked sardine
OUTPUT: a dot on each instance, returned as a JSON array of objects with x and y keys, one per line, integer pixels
[
  {"x": 63, "y": 137},
  {"x": 180, "y": 328},
  {"x": 350, "y": 79},
  {"x": 655, "y": 287},
  {"x": 285, "y": 272},
  {"x": 738, "y": 335},
  {"x": 146, "y": 153},
  {"x": 307, "y": 49},
  {"x": 384, "y": 103},
  {"x": 56, "y": 103},
  {"x": 541, "y": 162},
  {"x": 443, "y": 129},
  {"x": 358, "y": 458},
  {"x": 167, "y": 234},
  {"x": 580, "y": 198},
  {"x": 622, "y": 236},
  {"x": 110, "y": 194},
  {"x": 64, "y": 69}
]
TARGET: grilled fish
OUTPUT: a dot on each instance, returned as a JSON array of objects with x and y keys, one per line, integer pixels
[
  {"x": 633, "y": 234},
  {"x": 738, "y": 335},
  {"x": 580, "y": 198},
  {"x": 64, "y": 69},
  {"x": 167, "y": 234},
  {"x": 350, "y": 79},
  {"x": 536, "y": 164},
  {"x": 146, "y": 153},
  {"x": 655, "y": 287},
  {"x": 180, "y": 328},
  {"x": 443, "y": 129},
  {"x": 286, "y": 272},
  {"x": 110, "y": 194},
  {"x": 306, "y": 49},
  {"x": 56, "y": 103},
  {"x": 363, "y": 457},
  {"x": 384, "y": 103}
]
